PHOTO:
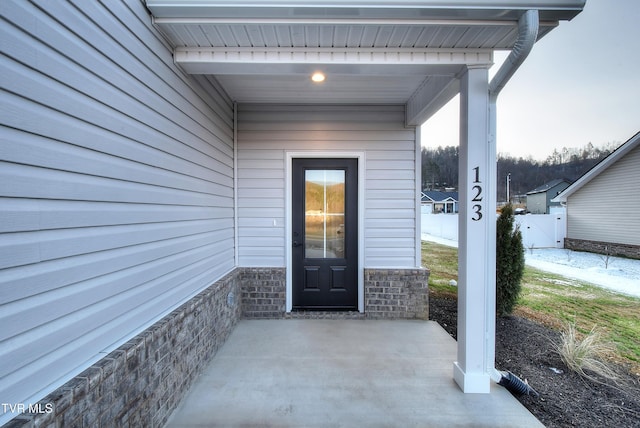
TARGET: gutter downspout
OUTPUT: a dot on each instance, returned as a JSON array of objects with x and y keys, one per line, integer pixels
[{"x": 527, "y": 35}]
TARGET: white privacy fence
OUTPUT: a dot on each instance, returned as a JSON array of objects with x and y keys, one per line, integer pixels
[
  {"x": 543, "y": 230},
  {"x": 441, "y": 225},
  {"x": 538, "y": 230}
]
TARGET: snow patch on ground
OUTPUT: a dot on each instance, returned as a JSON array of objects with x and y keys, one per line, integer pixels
[
  {"x": 439, "y": 240},
  {"x": 620, "y": 275}
]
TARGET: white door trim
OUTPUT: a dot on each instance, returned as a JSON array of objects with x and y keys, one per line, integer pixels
[{"x": 288, "y": 206}]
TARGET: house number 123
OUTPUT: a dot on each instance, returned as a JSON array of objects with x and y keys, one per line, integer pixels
[{"x": 476, "y": 191}]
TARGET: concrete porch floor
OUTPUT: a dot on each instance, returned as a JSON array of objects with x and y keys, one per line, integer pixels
[{"x": 340, "y": 373}]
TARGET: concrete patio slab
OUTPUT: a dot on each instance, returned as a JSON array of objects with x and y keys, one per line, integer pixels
[{"x": 340, "y": 373}]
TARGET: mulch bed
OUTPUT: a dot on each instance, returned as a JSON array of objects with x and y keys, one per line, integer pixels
[{"x": 565, "y": 399}]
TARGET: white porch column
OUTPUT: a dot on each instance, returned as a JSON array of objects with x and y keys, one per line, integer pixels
[{"x": 477, "y": 237}]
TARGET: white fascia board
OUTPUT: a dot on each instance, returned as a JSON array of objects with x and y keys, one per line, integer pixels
[
  {"x": 332, "y": 21},
  {"x": 450, "y": 9},
  {"x": 349, "y": 60},
  {"x": 440, "y": 4},
  {"x": 375, "y": 56},
  {"x": 600, "y": 167}
]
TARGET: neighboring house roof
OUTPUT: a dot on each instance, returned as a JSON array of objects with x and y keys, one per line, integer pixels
[
  {"x": 547, "y": 186},
  {"x": 616, "y": 155},
  {"x": 435, "y": 196}
]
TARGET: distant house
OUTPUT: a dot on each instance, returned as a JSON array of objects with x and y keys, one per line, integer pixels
[
  {"x": 439, "y": 202},
  {"x": 539, "y": 200},
  {"x": 603, "y": 204}
]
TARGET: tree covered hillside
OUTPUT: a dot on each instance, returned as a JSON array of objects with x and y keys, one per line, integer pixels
[{"x": 440, "y": 168}]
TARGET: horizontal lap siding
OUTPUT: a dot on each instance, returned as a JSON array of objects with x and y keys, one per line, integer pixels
[
  {"x": 606, "y": 209},
  {"x": 116, "y": 186},
  {"x": 267, "y": 132},
  {"x": 390, "y": 206}
]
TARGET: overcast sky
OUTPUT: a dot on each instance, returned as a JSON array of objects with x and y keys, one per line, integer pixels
[{"x": 580, "y": 84}]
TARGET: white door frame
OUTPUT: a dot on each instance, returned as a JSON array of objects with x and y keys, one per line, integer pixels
[{"x": 288, "y": 207}]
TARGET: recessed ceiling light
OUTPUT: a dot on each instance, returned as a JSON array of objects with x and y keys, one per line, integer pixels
[{"x": 318, "y": 77}]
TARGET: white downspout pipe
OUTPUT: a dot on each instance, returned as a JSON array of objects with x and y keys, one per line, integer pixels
[{"x": 527, "y": 35}]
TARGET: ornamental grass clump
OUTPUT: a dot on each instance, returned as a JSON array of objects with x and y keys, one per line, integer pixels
[{"x": 587, "y": 356}]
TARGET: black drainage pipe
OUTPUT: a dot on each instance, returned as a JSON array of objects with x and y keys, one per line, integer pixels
[{"x": 515, "y": 385}]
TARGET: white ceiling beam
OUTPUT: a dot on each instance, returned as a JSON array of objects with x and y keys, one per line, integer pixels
[
  {"x": 336, "y": 55},
  {"x": 431, "y": 96},
  {"x": 331, "y": 21},
  {"x": 349, "y": 60}
]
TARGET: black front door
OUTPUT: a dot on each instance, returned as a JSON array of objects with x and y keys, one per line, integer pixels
[{"x": 325, "y": 234}]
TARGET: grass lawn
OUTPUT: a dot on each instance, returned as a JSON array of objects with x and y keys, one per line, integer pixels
[{"x": 554, "y": 300}]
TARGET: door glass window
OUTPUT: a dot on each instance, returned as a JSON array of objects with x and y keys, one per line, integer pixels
[{"x": 324, "y": 214}]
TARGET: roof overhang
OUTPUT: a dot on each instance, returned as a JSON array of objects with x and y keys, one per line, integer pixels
[
  {"x": 383, "y": 52},
  {"x": 374, "y": 9}
]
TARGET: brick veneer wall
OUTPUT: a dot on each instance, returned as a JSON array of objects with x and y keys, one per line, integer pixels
[
  {"x": 263, "y": 292},
  {"x": 624, "y": 250},
  {"x": 142, "y": 382},
  {"x": 396, "y": 293},
  {"x": 389, "y": 293}
]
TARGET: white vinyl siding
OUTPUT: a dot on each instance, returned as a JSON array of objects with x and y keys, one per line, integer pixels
[
  {"x": 606, "y": 208},
  {"x": 116, "y": 186},
  {"x": 267, "y": 132}
]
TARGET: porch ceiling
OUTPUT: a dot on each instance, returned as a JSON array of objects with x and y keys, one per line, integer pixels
[{"x": 371, "y": 51}]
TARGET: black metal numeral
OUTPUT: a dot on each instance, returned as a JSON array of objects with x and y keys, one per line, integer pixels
[{"x": 477, "y": 208}]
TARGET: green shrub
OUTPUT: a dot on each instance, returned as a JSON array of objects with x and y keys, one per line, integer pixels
[{"x": 509, "y": 262}]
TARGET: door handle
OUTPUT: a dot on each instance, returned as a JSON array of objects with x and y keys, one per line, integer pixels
[{"x": 297, "y": 244}]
